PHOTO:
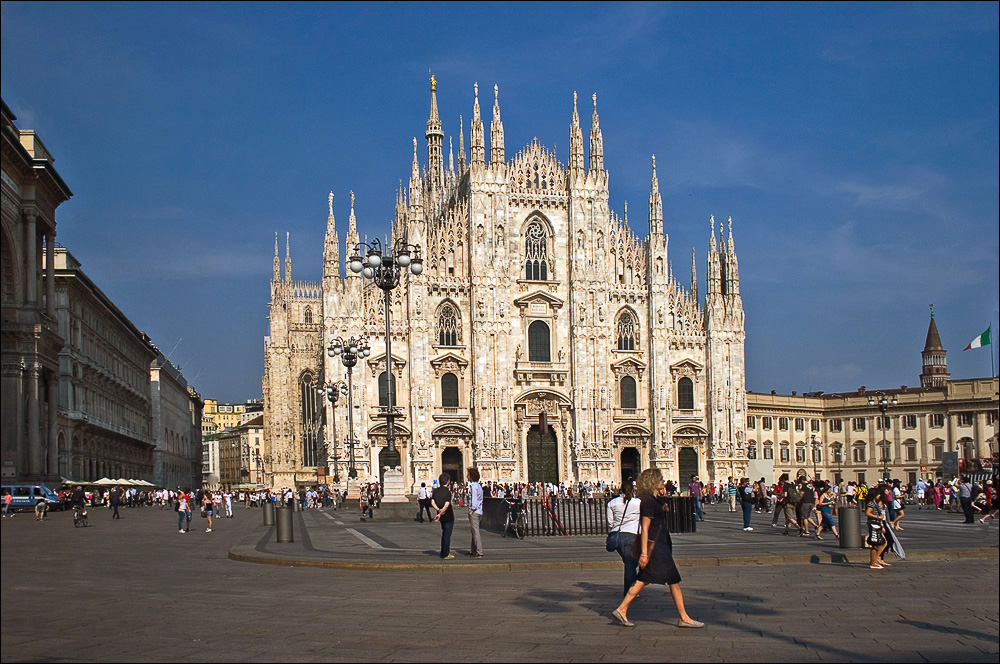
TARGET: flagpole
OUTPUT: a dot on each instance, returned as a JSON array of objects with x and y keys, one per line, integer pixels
[{"x": 992, "y": 370}]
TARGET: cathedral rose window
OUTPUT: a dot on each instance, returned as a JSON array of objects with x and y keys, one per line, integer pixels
[
  {"x": 628, "y": 331},
  {"x": 536, "y": 253}
]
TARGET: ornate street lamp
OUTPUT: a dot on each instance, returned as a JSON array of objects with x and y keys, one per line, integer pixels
[
  {"x": 348, "y": 352},
  {"x": 883, "y": 401},
  {"x": 816, "y": 445},
  {"x": 260, "y": 460},
  {"x": 333, "y": 391},
  {"x": 385, "y": 267}
]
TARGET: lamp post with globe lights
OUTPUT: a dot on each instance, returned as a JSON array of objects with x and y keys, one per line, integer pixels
[
  {"x": 332, "y": 392},
  {"x": 385, "y": 266},
  {"x": 348, "y": 352},
  {"x": 882, "y": 401}
]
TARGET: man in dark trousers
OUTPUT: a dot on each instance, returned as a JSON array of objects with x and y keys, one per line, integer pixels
[
  {"x": 116, "y": 500},
  {"x": 424, "y": 500},
  {"x": 441, "y": 502}
]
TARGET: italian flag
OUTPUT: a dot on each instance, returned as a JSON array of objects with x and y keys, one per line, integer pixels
[{"x": 980, "y": 341}]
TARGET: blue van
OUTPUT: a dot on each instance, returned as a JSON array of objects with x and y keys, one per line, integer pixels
[{"x": 26, "y": 496}]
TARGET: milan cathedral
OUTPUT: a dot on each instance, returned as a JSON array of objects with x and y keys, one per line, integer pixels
[{"x": 543, "y": 342}]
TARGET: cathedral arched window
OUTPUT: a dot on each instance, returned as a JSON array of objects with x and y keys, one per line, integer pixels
[
  {"x": 449, "y": 390},
  {"x": 311, "y": 405},
  {"x": 536, "y": 253},
  {"x": 685, "y": 394},
  {"x": 386, "y": 390},
  {"x": 308, "y": 316},
  {"x": 627, "y": 392},
  {"x": 539, "y": 342},
  {"x": 449, "y": 331},
  {"x": 628, "y": 331}
]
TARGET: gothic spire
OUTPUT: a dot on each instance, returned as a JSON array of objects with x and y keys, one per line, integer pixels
[
  {"x": 655, "y": 205},
  {"x": 575, "y": 140},
  {"x": 694, "y": 277},
  {"x": 352, "y": 223},
  {"x": 288, "y": 257},
  {"x": 435, "y": 138},
  {"x": 477, "y": 145},
  {"x": 416, "y": 189},
  {"x": 596, "y": 141},
  {"x": 461, "y": 144},
  {"x": 714, "y": 277},
  {"x": 451, "y": 156},
  {"x": 332, "y": 244},
  {"x": 732, "y": 266},
  {"x": 496, "y": 130},
  {"x": 277, "y": 262},
  {"x": 415, "y": 168}
]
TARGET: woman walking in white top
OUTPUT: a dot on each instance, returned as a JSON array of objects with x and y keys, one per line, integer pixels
[{"x": 623, "y": 518}]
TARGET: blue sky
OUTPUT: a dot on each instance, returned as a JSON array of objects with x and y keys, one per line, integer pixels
[{"x": 855, "y": 146}]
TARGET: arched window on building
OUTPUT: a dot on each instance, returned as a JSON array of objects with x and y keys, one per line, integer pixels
[
  {"x": 312, "y": 411},
  {"x": 685, "y": 394},
  {"x": 536, "y": 259},
  {"x": 308, "y": 316},
  {"x": 539, "y": 342},
  {"x": 628, "y": 331},
  {"x": 386, "y": 389},
  {"x": 449, "y": 390},
  {"x": 627, "y": 392},
  {"x": 449, "y": 331}
]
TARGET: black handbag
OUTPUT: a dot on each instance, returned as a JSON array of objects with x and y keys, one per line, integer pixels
[{"x": 611, "y": 544}]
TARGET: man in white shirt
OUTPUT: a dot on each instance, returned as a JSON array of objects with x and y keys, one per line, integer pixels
[
  {"x": 424, "y": 502},
  {"x": 475, "y": 490}
]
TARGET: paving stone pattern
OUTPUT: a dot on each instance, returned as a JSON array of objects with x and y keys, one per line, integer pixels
[{"x": 137, "y": 590}]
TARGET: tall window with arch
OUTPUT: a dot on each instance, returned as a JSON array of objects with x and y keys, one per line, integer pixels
[
  {"x": 628, "y": 331},
  {"x": 312, "y": 415},
  {"x": 536, "y": 253},
  {"x": 449, "y": 390},
  {"x": 627, "y": 393},
  {"x": 449, "y": 331},
  {"x": 539, "y": 343},
  {"x": 308, "y": 316},
  {"x": 685, "y": 394},
  {"x": 386, "y": 390}
]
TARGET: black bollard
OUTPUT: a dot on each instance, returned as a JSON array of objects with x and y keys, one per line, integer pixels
[
  {"x": 268, "y": 513},
  {"x": 283, "y": 524},
  {"x": 850, "y": 528}
]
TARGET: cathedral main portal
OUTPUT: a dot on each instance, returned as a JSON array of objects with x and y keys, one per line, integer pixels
[
  {"x": 543, "y": 456},
  {"x": 687, "y": 462},
  {"x": 451, "y": 463}
]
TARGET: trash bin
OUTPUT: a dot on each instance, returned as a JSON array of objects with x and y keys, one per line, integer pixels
[
  {"x": 681, "y": 519},
  {"x": 850, "y": 528},
  {"x": 268, "y": 513},
  {"x": 283, "y": 524}
]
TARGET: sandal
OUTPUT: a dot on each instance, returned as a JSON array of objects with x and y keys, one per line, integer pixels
[{"x": 625, "y": 622}]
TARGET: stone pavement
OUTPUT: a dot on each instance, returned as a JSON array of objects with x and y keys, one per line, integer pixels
[
  {"x": 137, "y": 590},
  {"x": 341, "y": 538}
]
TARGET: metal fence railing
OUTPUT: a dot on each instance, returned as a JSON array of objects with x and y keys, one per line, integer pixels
[{"x": 572, "y": 516}]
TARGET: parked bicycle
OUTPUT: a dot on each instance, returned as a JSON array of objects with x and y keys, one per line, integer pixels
[{"x": 516, "y": 520}]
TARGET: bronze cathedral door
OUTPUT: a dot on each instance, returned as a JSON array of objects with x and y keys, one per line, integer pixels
[{"x": 543, "y": 456}]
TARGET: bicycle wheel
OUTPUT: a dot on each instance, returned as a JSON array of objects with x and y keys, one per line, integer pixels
[
  {"x": 521, "y": 527},
  {"x": 506, "y": 526}
]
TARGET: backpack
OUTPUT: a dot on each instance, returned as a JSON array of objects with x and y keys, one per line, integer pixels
[{"x": 793, "y": 494}]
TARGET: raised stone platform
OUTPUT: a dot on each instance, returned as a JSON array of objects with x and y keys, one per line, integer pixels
[{"x": 390, "y": 512}]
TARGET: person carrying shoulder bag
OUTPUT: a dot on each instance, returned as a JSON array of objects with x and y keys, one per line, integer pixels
[{"x": 623, "y": 519}]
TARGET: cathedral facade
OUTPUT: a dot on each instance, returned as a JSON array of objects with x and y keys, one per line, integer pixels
[{"x": 543, "y": 341}]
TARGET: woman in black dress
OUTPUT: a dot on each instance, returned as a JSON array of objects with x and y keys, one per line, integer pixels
[{"x": 654, "y": 550}]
